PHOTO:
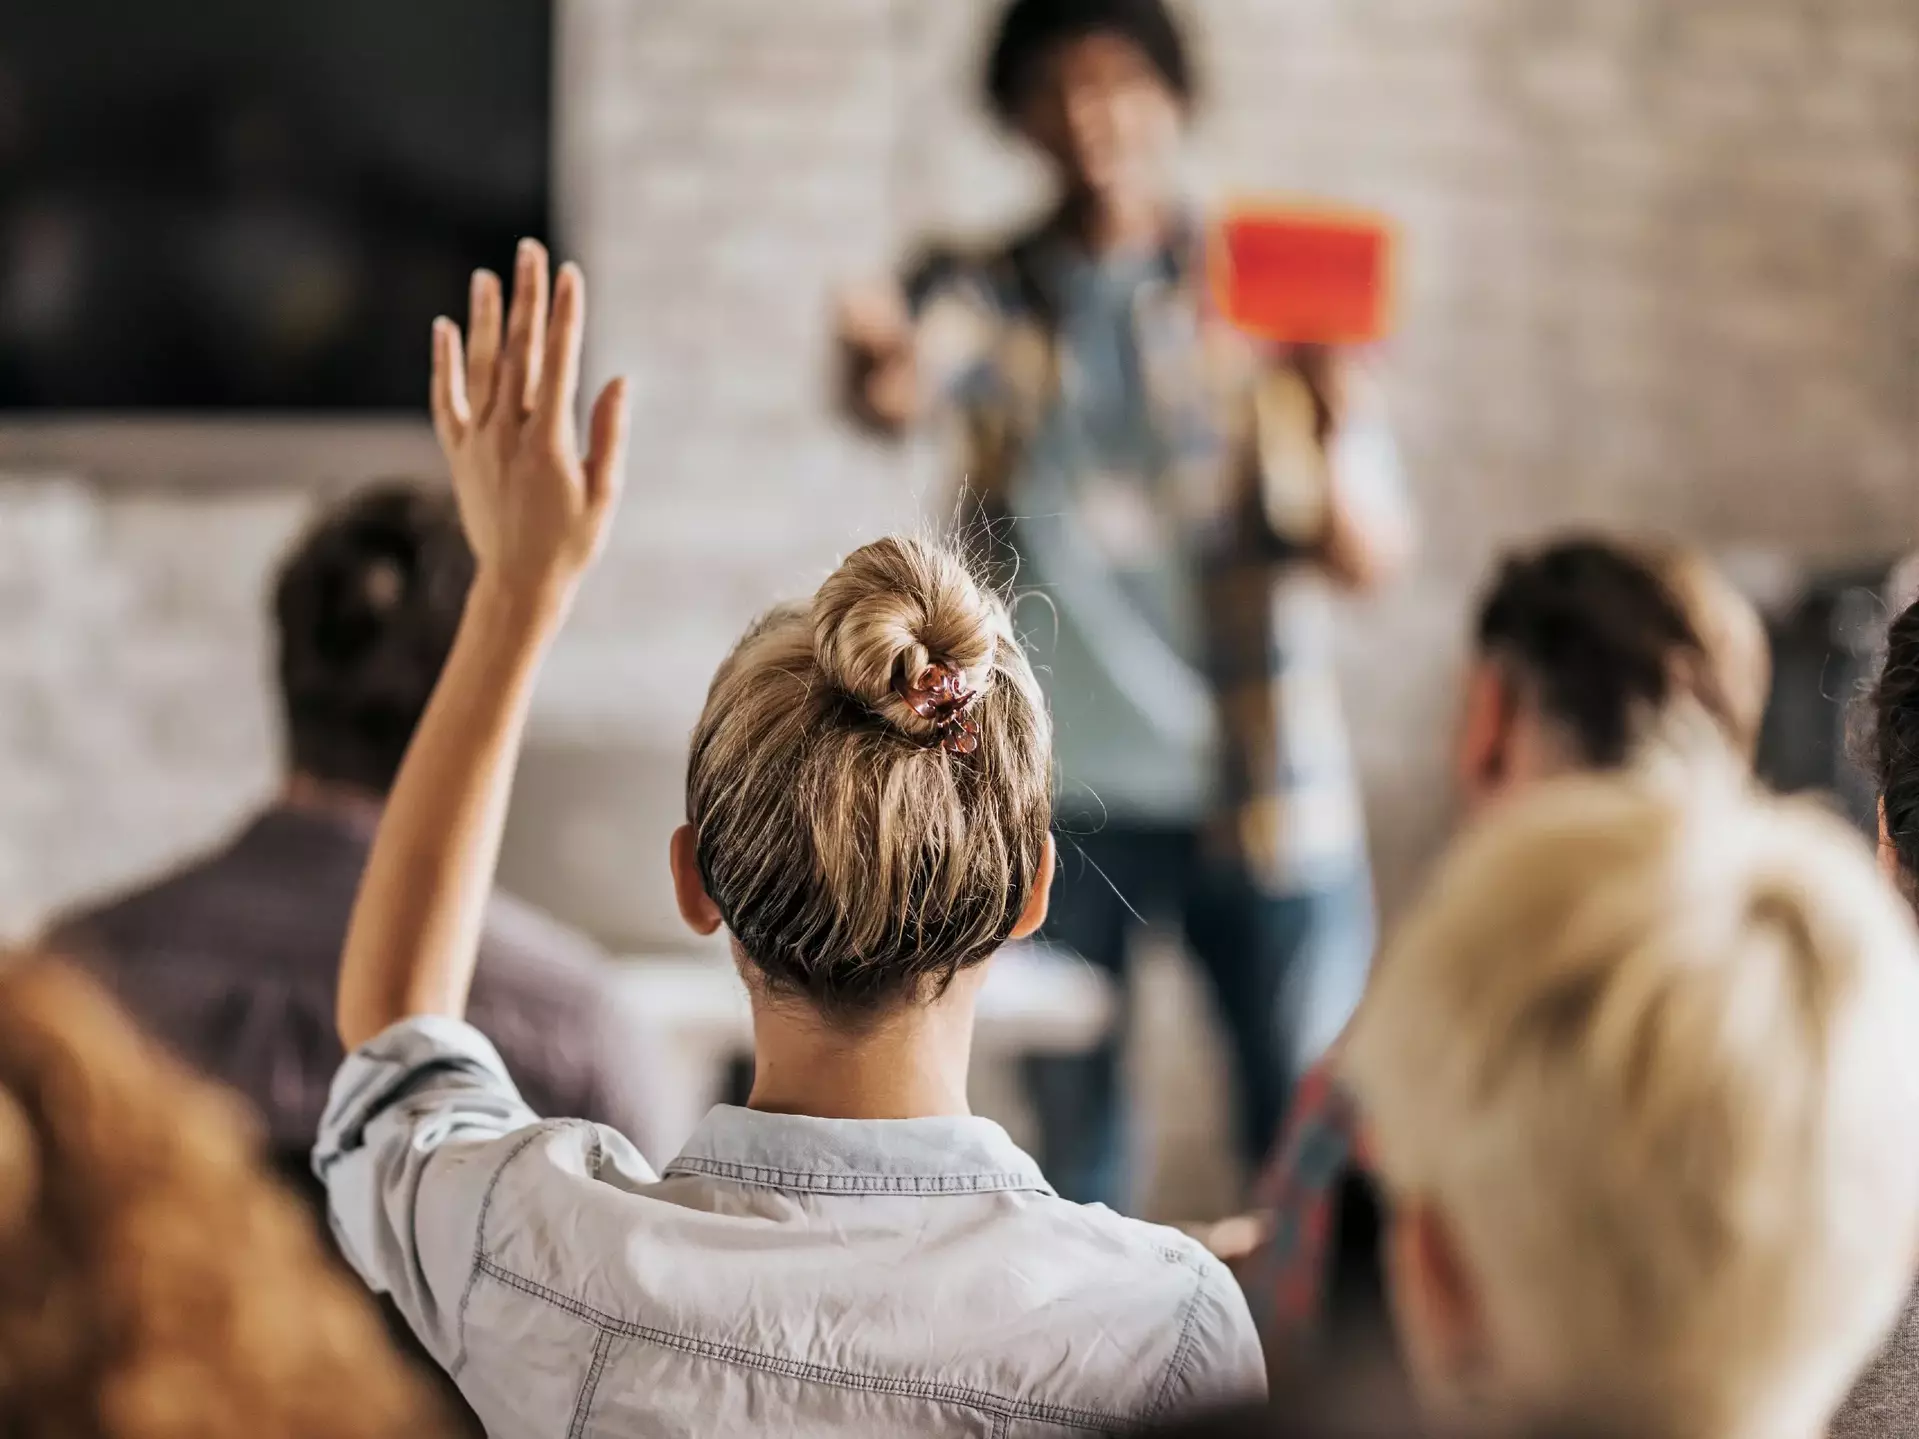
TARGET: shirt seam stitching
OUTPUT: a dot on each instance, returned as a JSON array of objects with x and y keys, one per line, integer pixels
[
  {"x": 982, "y": 1182},
  {"x": 1182, "y": 1351},
  {"x": 590, "y": 1386},
  {"x": 806, "y": 1369},
  {"x": 479, "y": 1243}
]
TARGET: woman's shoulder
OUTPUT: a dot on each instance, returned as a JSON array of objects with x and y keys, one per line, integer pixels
[
  {"x": 1210, "y": 1349},
  {"x": 1158, "y": 1266}
]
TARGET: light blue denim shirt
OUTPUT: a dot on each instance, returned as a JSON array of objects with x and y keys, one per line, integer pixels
[{"x": 783, "y": 1276}]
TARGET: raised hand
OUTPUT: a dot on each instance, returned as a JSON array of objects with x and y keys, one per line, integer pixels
[
  {"x": 535, "y": 513},
  {"x": 535, "y": 510}
]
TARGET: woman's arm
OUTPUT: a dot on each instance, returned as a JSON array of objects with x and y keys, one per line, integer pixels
[{"x": 535, "y": 514}]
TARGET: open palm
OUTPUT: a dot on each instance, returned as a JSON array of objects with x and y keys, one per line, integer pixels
[{"x": 535, "y": 510}]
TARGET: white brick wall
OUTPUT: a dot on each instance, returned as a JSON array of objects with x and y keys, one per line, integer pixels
[
  {"x": 1662, "y": 265},
  {"x": 135, "y": 719}
]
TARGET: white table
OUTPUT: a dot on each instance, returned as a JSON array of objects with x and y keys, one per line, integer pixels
[{"x": 1036, "y": 1000}]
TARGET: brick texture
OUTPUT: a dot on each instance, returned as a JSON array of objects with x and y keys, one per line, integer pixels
[{"x": 1663, "y": 262}]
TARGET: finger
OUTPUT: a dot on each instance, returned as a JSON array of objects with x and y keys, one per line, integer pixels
[
  {"x": 516, "y": 360},
  {"x": 450, "y": 414},
  {"x": 536, "y": 327},
  {"x": 483, "y": 341},
  {"x": 606, "y": 463},
  {"x": 560, "y": 375}
]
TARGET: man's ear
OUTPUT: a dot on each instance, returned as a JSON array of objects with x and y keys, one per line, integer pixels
[
  {"x": 1034, "y": 915},
  {"x": 1436, "y": 1305},
  {"x": 1482, "y": 747},
  {"x": 702, "y": 916}
]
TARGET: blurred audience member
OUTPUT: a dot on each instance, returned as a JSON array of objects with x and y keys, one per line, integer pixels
[
  {"x": 1588, "y": 654},
  {"x": 232, "y": 960},
  {"x": 1885, "y": 1403},
  {"x": 1146, "y": 470},
  {"x": 869, "y": 797},
  {"x": 1636, "y": 1073},
  {"x": 154, "y": 1283}
]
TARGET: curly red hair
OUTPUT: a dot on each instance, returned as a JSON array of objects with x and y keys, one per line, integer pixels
[{"x": 154, "y": 1282}]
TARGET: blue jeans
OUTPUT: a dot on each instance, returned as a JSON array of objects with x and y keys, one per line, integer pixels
[{"x": 1286, "y": 972}]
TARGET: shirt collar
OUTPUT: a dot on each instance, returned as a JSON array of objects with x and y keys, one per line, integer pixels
[
  {"x": 947, "y": 1155},
  {"x": 1051, "y": 254},
  {"x": 305, "y": 829}
]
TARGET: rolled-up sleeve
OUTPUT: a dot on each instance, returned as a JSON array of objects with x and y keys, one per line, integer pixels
[
  {"x": 1370, "y": 468},
  {"x": 414, "y": 1137}
]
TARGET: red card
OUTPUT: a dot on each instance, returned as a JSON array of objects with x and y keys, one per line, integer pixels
[{"x": 1305, "y": 276}]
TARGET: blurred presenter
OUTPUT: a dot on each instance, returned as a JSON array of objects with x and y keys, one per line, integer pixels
[{"x": 1181, "y": 499}]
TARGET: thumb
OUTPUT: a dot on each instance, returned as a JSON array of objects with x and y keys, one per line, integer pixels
[{"x": 606, "y": 434}]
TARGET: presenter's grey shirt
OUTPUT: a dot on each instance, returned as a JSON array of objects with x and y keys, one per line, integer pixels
[{"x": 784, "y": 1275}]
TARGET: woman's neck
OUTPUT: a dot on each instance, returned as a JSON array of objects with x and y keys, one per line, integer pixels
[{"x": 909, "y": 1064}]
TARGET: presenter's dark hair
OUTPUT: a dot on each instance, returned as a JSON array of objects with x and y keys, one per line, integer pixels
[{"x": 1029, "y": 29}]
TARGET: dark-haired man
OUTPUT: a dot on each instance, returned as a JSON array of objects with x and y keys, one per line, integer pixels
[
  {"x": 1130, "y": 457},
  {"x": 231, "y": 960}
]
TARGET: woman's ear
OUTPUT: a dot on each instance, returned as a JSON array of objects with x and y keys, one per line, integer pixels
[
  {"x": 1034, "y": 915},
  {"x": 702, "y": 916}
]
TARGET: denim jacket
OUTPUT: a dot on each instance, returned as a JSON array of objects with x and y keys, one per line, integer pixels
[{"x": 784, "y": 1275}]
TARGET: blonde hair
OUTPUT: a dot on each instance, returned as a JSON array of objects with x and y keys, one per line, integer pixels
[
  {"x": 154, "y": 1284},
  {"x": 1647, "y": 1045},
  {"x": 855, "y": 859},
  {"x": 1732, "y": 640}
]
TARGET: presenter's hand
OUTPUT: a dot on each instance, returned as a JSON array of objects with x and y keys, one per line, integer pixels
[
  {"x": 1327, "y": 372},
  {"x": 878, "y": 356}
]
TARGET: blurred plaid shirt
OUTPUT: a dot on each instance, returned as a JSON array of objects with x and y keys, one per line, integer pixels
[
  {"x": 1288, "y": 1277},
  {"x": 1287, "y": 802}
]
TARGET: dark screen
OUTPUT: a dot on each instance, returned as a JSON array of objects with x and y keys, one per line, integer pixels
[{"x": 256, "y": 204}]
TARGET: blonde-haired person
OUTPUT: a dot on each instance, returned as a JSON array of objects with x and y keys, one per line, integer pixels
[
  {"x": 154, "y": 1283},
  {"x": 1635, "y": 1072},
  {"x": 868, "y": 806},
  {"x": 1589, "y": 654}
]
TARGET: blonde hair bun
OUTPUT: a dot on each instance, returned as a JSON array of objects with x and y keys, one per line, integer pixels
[
  {"x": 853, "y": 870},
  {"x": 893, "y": 608}
]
